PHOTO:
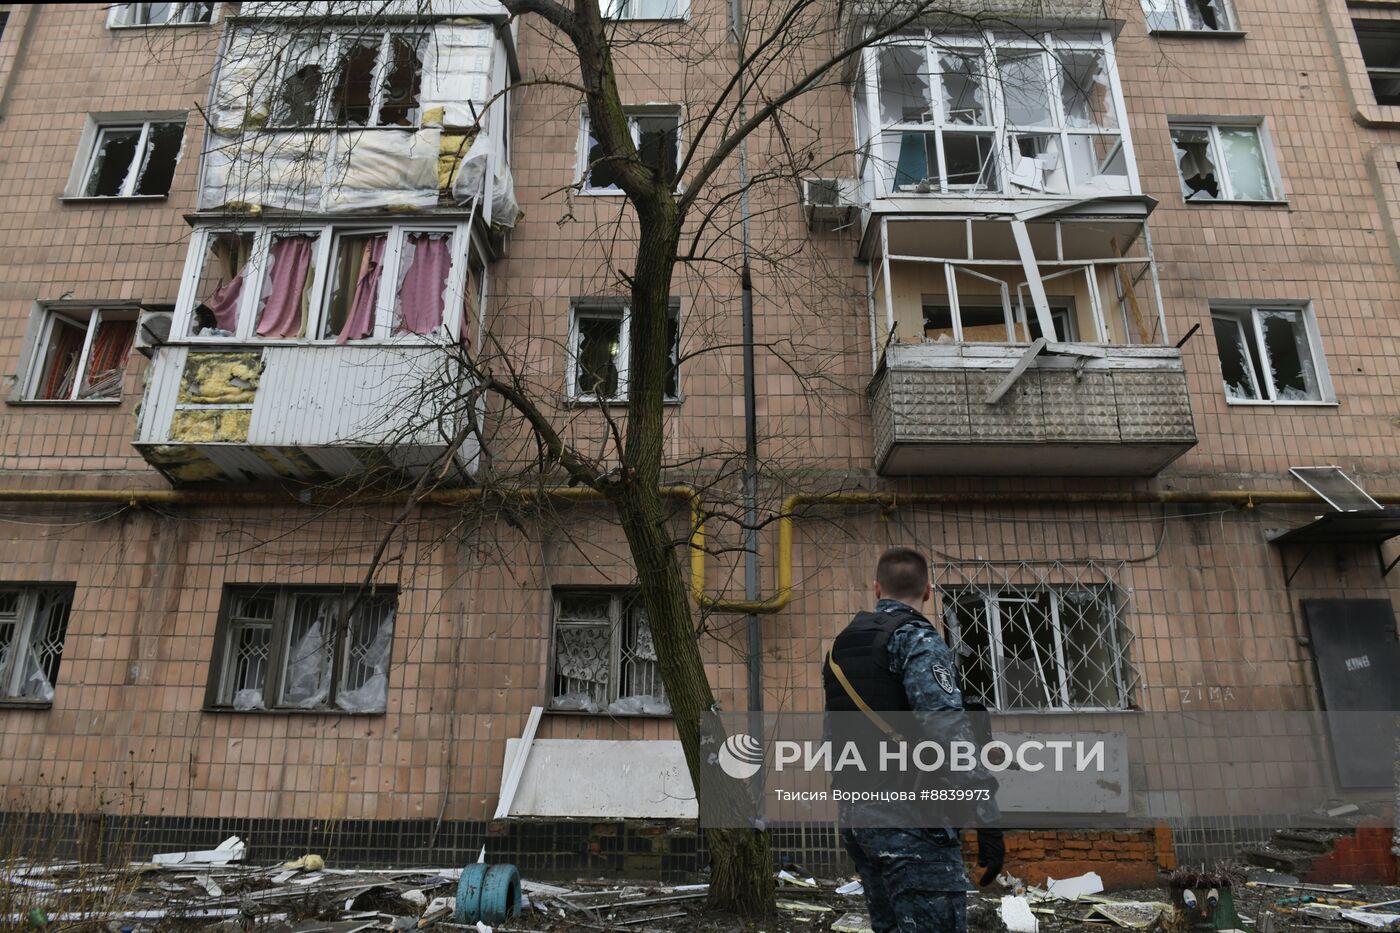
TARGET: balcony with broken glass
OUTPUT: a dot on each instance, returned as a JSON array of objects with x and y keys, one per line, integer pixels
[
  {"x": 991, "y": 121},
  {"x": 1014, "y": 347},
  {"x": 354, "y": 189}
]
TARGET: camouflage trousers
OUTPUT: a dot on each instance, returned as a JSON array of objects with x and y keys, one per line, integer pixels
[{"x": 914, "y": 879}]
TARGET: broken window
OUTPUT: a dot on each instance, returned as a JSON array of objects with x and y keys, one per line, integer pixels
[
  {"x": 1380, "y": 49},
  {"x": 1267, "y": 355},
  {"x": 1037, "y": 647},
  {"x": 352, "y": 293},
  {"x": 1187, "y": 15},
  {"x": 285, "y": 303},
  {"x": 599, "y": 353},
  {"x": 423, "y": 269},
  {"x": 159, "y": 14},
  {"x": 219, "y": 289},
  {"x": 135, "y": 160},
  {"x": 81, "y": 354},
  {"x": 978, "y": 323},
  {"x": 356, "y": 79},
  {"x": 1223, "y": 163},
  {"x": 292, "y": 648},
  {"x": 657, "y": 136},
  {"x": 603, "y": 655},
  {"x": 946, "y": 104},
  {"x": 33, "y": 625},
  {"x": 645, "y": 9}
]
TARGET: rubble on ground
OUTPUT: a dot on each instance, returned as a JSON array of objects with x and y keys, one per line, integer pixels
[{"x": 217, "y": 889}]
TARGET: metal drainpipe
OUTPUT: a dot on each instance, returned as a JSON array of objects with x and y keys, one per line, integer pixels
[{"x": 750, "y": 491}]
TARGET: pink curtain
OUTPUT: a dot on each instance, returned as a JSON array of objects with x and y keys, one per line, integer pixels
[
  {"x": 421, "y": 292},
  {"x": 286, "y": 289},
  {"x": 360, "y": 321},
  {"x": 224, "y": 304}
]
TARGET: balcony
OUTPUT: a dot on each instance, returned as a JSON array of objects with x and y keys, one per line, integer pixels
[
  {"x": 1015, "y": 348},
  {"x": 306, "y": 413}
]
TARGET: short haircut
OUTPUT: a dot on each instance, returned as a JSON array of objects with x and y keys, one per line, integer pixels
[{"x": 902, "y": 573}]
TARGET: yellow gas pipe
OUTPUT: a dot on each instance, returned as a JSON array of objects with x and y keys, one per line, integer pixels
[{"x": 1244, "y": 498}]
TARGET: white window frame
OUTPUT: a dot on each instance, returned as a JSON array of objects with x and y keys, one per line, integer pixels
[
  {"x": 180, "y": 16},
  {"x": 621, "y": 312},
  {"x": 615, "y": 10},
  {"x": 328, "y": 49},
  {"x": 1179, "y": 10},
  {"x": 12, "y": 671},
  {"x": 621, "y": 602},
  {"x": 1247, "y": 317},
  {"x": 91, "y": 141},
  {"x": 871, "y": 159},
  {"x": 219, "y": 694},
  {"x": 84, "y": 316},
  {"x": 992, "y": 600},
  {"x": 1222, "y": 172},
  {"x": 647, "y": 110},
  {"x": 327, "y": 234}
]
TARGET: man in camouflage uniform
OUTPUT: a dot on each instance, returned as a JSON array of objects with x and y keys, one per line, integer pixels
[{"x": 895, "y": 660}]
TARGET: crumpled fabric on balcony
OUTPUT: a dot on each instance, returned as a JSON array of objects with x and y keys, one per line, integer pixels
[
  {"x": 360, "y": 322},
  {"x": 284, "y": 305},
  {"x": 428, "y": 258},
  {"x": 224, "y": 304}
]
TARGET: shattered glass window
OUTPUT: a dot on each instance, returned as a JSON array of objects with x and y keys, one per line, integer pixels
[
  {"x": 352, "y": 97},
  {"x": 1380, "y": 49},
  {"x": 292, "y": 648},
  {"x": 1186, "y": 15},
  {"x": 299, "y": 99},
  {"x": 904, "y": 85},
  {"x": 1245, "y": 164},
  {"x": 1037, "y": 647},
  {"x": 964, "y": 89},
  {"x": 658, "y": 143},
  {"x": 403, "y": 82},
  {"x": 597, "y": 355},
  {"x": 1024, "y": 87},
  {"x": 605, "y": 659},
  {"x": 1196, "y": 164},
  {"x": 33, "y": 626},
  {"x": 132, "y": 161},
  {"x": 1085, "y": 90},
  {"x": 220, "y": 286},
  {"x": 1266, "y": 354}
]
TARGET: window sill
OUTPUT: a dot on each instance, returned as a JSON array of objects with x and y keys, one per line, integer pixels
[
  {"x": 62, "y": 402},
  {"x": 579, "y": 401},
  {"x": 133, "y": 199},
  {"x": 1265, "y": 403},
  {"x": 14, "y": 703},
  {"x": 1373, "y": 114},
  {"x": 288, "y": 712},
  {"x": 585, "y": 714},
  {"x": 1197, "y": 33},
  {"x": 1235, "y": 203}
]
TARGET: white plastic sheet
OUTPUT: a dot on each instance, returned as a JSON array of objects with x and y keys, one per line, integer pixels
[
  {"x": 471, "y": 181},
  {"x": 372, "y": 695},
  {"x": 383, "y": 168}
]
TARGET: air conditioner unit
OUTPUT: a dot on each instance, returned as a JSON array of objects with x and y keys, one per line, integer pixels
[
  {"x": 153, "y": 329},
  {"x": 829, "y": 200}
]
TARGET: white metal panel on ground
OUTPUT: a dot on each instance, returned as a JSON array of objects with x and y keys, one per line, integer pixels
[{"x": 603, "y": 779}]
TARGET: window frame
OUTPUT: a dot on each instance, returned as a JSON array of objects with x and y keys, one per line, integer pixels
[
  {"x": 611, "y": 8},
  {"x": 621, "y": 311},
  {"x": 90, "y": 141},
  {"x": 1183, "y": 17},
  {"x": 582, "y": 174},
  {"x": 622, "y": 601},
  {"x": 328, "y": 234},
  {"x": 1362, "y": 25},
  {"x": 176, "y": 18},
  {"x": 1213, "y": 127},
  {"x": 992, "y": 598},
  {"x": 34, "y": 372},
  {"x": 873, "y": 153},
  {"x": 1247, "y": 317},
  {"x": 218, "y": 695},
  {"x": 328, "y": 45},
  {"x": 22, "y": 639}
]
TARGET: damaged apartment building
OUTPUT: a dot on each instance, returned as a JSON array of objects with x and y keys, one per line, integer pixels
[{"x": 1095, "y": 303}]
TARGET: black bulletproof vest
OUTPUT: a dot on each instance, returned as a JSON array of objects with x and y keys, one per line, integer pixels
[{"x": 862, "y": 652}]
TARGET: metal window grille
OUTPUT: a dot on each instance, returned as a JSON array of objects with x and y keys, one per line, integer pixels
[
  {"x": 1038, "y": 636},
  {"x": 604, "y": 658},
  {"x": 33, "y": 625}
]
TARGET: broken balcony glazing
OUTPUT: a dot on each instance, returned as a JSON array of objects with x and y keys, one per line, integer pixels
[
  {"x": 993, "y": 114},
  {"x": 995, "y": 337}
]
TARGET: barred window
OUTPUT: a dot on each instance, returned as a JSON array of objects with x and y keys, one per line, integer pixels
[
  {"x": 33, "y": 625},
  {"x": 603, "y": 656},
  {"x": 293, "y": 648},
  {"x": 1040, "y": 647}
]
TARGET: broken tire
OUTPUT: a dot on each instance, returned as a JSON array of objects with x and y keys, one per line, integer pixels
[
  {"x": 469, "y": 890},
  {"x": 500, "y": 895}
]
